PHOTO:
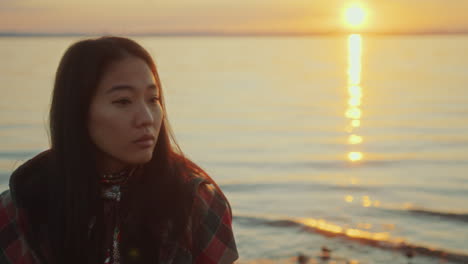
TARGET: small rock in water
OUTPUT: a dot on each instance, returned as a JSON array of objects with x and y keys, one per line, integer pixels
[
  {"x": 302, "y": 259},
  {"x": 325, "y": 253},
  {"x": 409, "y": 253}
]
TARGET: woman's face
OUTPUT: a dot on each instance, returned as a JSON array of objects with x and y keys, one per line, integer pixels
[{"x": 125, "y": 115}]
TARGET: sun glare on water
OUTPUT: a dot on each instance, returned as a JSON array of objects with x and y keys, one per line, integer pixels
[{"x": 355, "y": 15}]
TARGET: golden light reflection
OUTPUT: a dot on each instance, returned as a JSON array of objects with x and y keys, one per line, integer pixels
[
  {"x": 322, "y": 225},
  {"x": 408, "y": 206},
  {"x": 388, "y": 226},
  {"x": 353, "y": 111},
  {"x": 356, "y": 233},
  {"x": 354, "y": 139},
  {"x": 333, "y": 229},
  {"x": 356, "y": 123},
  {"x": 354, "y": 101},
  {"x": 355, "y": 156},
  {"x": 355, "y": 92},
  {"x": 354, "y": 59},
  {"x": 364, "y": 225},
  {"x": 366, "y": 201}
]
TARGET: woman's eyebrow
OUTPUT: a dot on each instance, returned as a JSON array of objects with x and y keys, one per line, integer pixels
[{"x": 128, "y": 87}]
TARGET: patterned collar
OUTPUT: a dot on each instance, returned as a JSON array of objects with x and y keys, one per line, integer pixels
[
  {"x": 119, "y": 178},
  {"x": 112, "y": 183}
]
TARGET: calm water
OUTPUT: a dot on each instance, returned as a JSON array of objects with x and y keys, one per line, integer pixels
[{"x": 357, "y": 143}]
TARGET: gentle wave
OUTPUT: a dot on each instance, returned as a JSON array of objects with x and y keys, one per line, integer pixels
[
  {"x": 322, "y": 186},
  {"x": 423, "y": 212},
  {"x": 335, "y": 164},
  {"x": 302, "y": 259},
  {"x": 379, "y": 240},
  {"x": 296, "y": 185},
  {"x": 22, "y": 155},
  {"x": 21, "y": 126},
  {"x": 455, "y": 216}
]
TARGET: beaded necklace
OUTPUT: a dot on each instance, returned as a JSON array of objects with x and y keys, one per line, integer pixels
[
  {"x": 112, "y": 183},
  {"x": 111, "y": 193}
]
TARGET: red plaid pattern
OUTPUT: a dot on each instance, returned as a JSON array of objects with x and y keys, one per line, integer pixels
[
  {"x": 212, "y": 237},
  {"x": 14, "y": 248}
]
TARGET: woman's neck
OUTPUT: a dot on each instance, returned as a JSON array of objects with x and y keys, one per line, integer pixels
[
  {"x": 112, "y": 170},
  {"x": 107, "y": 165}
]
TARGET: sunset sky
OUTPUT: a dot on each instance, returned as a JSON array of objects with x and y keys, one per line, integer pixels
[{"x": 241, "y": 16}]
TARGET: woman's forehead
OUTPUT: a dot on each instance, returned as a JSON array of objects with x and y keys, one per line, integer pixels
[{"x": 131, "y": 73}]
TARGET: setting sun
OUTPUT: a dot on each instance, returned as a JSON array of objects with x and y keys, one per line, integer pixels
[{"x": 355, "y": 15}]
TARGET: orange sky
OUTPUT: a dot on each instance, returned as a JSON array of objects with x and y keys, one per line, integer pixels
[{"x": 293, "y": 16}]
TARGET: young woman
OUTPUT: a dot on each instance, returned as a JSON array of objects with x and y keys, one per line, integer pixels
[{"x": 114, "y": 187}]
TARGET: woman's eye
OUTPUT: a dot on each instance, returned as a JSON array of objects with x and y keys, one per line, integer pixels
[
  {"x": 154, "y": 99},
  {"x": 122, "y": 102}
]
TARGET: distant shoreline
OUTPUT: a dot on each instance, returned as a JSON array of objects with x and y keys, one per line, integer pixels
[{"x": 226, "y": 34}]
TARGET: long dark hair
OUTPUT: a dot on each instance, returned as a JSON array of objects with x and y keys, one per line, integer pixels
[{"x": 156, "y": 197}]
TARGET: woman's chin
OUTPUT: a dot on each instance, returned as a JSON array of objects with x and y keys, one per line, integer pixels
[{"x": 140, "y": 159}]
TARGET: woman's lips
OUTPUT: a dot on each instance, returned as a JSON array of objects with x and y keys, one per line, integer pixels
[{"x": 145, "y": 143}]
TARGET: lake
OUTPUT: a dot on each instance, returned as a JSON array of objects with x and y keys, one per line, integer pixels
[{"x": 354, "y": 143}]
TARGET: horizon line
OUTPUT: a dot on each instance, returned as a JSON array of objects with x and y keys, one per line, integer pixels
[{"x": 226, "y": 34}]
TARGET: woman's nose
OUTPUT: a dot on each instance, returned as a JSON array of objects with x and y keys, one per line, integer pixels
[{"x": 144, "y": 116}]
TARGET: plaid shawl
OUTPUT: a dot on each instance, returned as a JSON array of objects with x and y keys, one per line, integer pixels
[
  {"x": 14, "y": 247},
  {"x": 210, "y": 229}
]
